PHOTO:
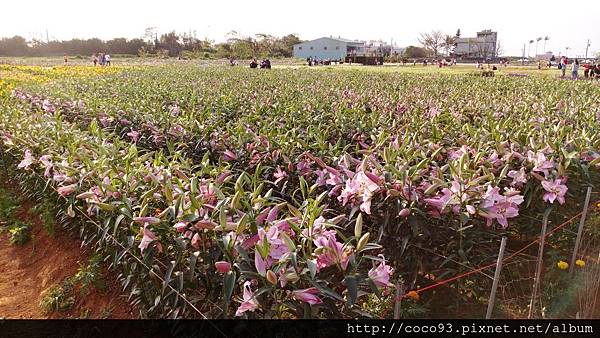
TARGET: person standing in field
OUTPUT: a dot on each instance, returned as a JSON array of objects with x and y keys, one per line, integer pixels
[
  {"x": 574, "y": 69},
  {"x": 107, "y": 59},
  {"x": 95, "y": 59},
  {"x": 586, "y": 70},
  {"x": 563, "y": 66},
  {"x": 66, "y": 59}
]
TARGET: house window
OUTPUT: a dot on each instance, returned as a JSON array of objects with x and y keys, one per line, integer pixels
[
  {"x": 325, "y": 48},
  {"x": 300, "y": 48},
  {"x": 337, "y": 47},
  {"x": 311, "y": 48}
]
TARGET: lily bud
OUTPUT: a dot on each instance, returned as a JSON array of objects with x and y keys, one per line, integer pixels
[
  {"x": 362, "y": 242},
  {"x": 271, "y": 277},
  {"x": 404, "y": 212},
  {"x": 223, "y": 266}
]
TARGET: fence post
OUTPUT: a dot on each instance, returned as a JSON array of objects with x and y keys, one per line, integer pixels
[
  {"x": 538, "y": 270},
  {"x": 399, "y": 293},
  {"x": 490, "y": 307},
  {"x": 580, "y": 231}
]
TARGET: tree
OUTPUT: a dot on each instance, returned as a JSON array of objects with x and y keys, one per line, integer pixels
[
  {"x": 285, "y": 45},
  {"x": 432, "y": 41},
  {"x": 15, "y": 46},
  {"x": 499, "y": 51},
  {"x": 151, "y": 38},
  {"x": 449, "y": 44},
  {"x": 265, "y": 44},
  {"x": 413, "y": 52},
  {"x": 170, "y": 43},
  {"x": 485, "y": 49}
]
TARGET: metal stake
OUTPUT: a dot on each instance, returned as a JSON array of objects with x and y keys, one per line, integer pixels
[
  {"x": 490, "y": 307},
  {"x": 538, "y": 270},
  {"x": 580, "y": 231}
]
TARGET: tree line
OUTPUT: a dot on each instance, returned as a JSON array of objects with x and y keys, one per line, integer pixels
[{"x": 186, "y": 45}]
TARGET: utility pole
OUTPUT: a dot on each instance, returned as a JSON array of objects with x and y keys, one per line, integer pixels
[
  {"x": 523, "y": 59},
  {"x": 586, "y": 48},
  {"x": 47, "y": 36}
]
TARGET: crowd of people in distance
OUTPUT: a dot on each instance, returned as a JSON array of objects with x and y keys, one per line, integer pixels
[
  {"x": 324, "y": 62},
  {"x": 591, "y": 70},
  {"x": 442, "y": 62},
  {"x": 264, "y": 64},
  {"x": 482, "y": 66},
  {"x": 102, "y": 59}
]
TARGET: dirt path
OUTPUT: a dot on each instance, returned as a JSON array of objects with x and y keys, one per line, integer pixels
[{"x": 27, "y": 271}]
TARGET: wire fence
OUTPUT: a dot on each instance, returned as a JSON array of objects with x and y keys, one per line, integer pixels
[{"x": 516, "y": 281}]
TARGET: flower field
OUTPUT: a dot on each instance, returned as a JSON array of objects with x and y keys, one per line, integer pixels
[{"x": 299, "y": 193}]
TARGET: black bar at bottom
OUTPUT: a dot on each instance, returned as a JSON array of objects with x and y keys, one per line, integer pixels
[{"x": 299, "y": 328}]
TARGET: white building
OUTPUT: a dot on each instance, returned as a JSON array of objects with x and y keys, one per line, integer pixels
[
  {"x": 546, "y": 56},
  {"x": 329, "y": 48},
  {"x": 482, "y": 46},
  {"x": 379, "y": 48}
]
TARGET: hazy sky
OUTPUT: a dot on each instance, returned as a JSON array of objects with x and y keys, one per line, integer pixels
[{"x": 515, "y": 21}]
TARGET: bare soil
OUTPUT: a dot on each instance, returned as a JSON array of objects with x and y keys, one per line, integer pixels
[{"x": 27, "y": 271}]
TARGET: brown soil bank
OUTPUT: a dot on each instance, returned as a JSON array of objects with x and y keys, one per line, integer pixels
[{"x": 27, "y": 271}]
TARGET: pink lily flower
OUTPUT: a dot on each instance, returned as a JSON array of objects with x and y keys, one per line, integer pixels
[
  {"x": 495, "y": 160},
  {"x": 60, "y": 177},
  {"x": 45, "y": 160},
  {"x": 332, "y": 251},
  {"x": 221, "y": 178},
  {"x": 195, "y": 242},
  {"x": 260, "y": 218},
  {"x": 248, "y": 303},
  {"x": 321, "y": 177},
  {"x": 500, "y": 208},
  {"x": 261, "y": 264},
  {"x": 542, "y": 164},
  {"x": 307, "y": 296},
  {"x": 147, "y": 239},
  {"x": 272, "y": 216},
  {"x": 279, "y": 175},
  {"x": 519, "y": 177},
  {"x": 380, "y": 274},
  {"x": 303, "y": 167},
  {"x": 180, "y": 226},
  {"x": 48, "y": 106},
  {"x": 361, "y": 186},
  {"x": 133, "y": 135},
  {"x": 440, "y": 202},
  {"x": 555, "y": 190},
  {"x": 229, "y": 155},
  {"x": 66, "y": 190},
  {"x": 334, "y": 177},
  {"x": 501, "y": 212},
  {"x": 27, "y": 160}
]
